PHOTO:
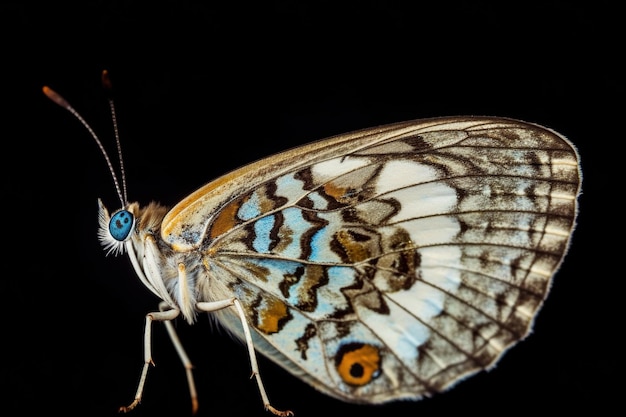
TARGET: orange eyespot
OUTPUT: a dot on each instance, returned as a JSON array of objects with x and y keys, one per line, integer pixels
[{"x": 358, "y": 364}]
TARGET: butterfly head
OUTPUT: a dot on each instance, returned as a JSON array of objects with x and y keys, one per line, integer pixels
[
  {"x": 129, "y": 225},
  {"x": 116, "y": 229}
]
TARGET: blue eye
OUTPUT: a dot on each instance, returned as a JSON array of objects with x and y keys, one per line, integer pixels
[{"x": 121, "y": 224}]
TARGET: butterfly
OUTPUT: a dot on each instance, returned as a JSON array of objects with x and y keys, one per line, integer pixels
[{"x": 383, "y": 264}]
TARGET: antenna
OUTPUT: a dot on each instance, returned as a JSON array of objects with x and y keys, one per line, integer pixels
[{"x": 106, "y": 82}]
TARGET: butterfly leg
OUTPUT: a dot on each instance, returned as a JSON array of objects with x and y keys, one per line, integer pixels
[
  {"x": 214, "y": 306},
  {"x": 165, "y": 316},
  {"x": 163, "y": 306}
]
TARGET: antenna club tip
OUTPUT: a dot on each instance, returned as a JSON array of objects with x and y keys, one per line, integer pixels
[
  {"x": 49, "y": 92},
  {"x": 106, "y": 80},
  {"x": 54, "y": 96}
]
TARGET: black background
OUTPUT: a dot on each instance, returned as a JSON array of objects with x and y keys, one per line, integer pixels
[{"x": 204, "y": 87}]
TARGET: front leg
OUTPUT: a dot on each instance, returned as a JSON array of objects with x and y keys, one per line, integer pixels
[{"x": 165, "y": 316}]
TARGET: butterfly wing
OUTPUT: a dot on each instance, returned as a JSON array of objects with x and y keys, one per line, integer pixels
[{"x": 389, "y": 263}]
